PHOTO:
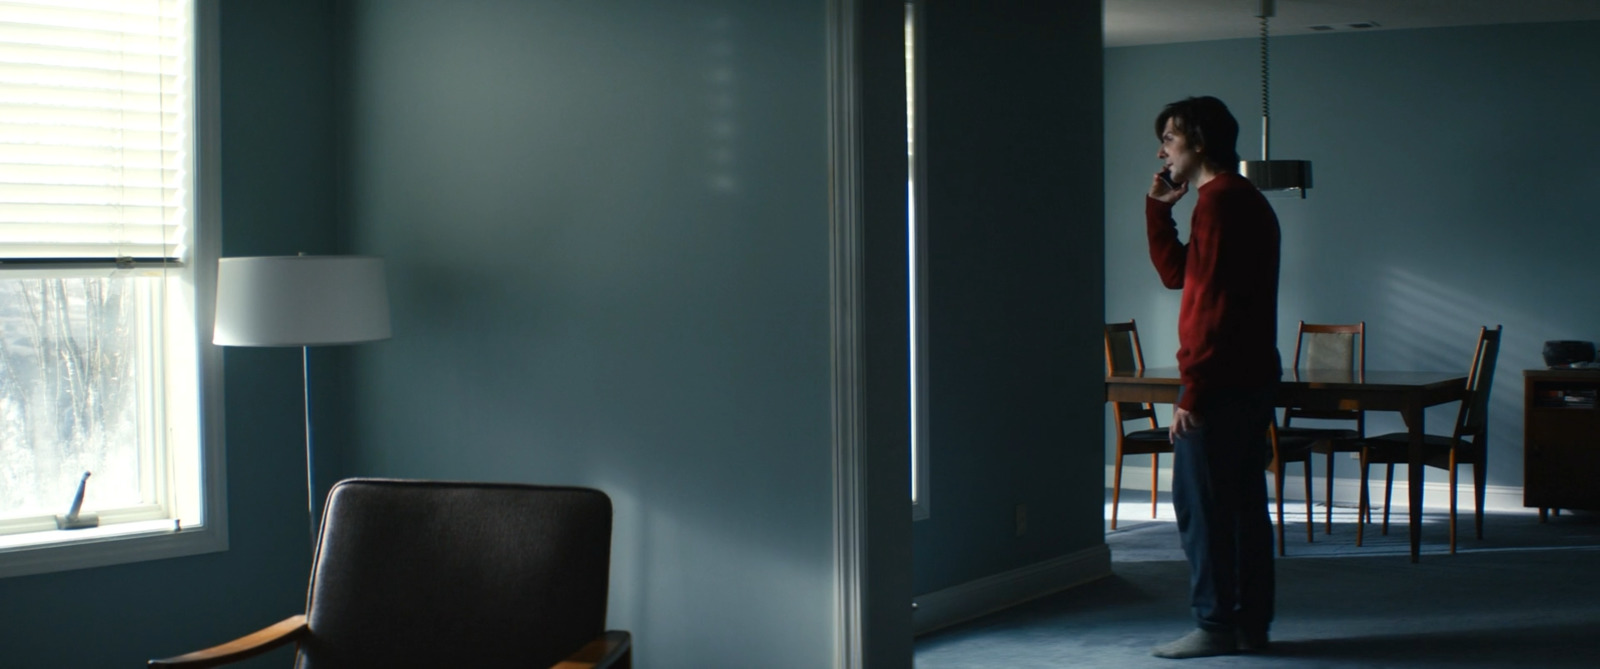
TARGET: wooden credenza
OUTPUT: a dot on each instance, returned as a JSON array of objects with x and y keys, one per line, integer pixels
[{"x": 1560, "y": 439}]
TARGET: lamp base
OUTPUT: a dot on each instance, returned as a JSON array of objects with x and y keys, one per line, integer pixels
[{"x": 77, "y": 521}]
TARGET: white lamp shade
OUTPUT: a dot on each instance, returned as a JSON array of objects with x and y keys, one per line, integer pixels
[{"x": 300, "y": 301}]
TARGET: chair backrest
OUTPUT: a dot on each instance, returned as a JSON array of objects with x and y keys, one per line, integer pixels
[
  {"x": 442, "y": 574},
  {"x": 1474, "y": 417},
  {"x": 1325, "y": 346},
  {"x": 1331, "y": 346},
  {"x": 1123, "y": 354}
]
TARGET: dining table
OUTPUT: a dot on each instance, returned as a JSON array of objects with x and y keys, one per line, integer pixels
[{"x": 1408, "y": 393}]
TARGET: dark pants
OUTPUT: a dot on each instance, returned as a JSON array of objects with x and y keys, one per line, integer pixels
[{"x": 1219, "y": 491}]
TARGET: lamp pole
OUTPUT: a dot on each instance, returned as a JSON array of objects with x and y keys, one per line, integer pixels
[{"x": 311, "y": 490}]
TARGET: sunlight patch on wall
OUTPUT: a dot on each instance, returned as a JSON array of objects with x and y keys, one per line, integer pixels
[{"x": 1432, "y": 324}]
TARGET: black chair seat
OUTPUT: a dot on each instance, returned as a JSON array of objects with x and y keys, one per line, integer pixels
[
  {"x": 1317, "y": 434},
  {"x": 1404, "y": 438},
  {"x": 1148, "y": 435},
  {"x": 1145, "y": 442},
  {"x": 1293, "y": 446},
  {"x": 1394, "y": 448}
]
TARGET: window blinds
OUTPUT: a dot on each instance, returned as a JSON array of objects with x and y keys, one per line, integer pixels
[{"x": 95, "y": 130}]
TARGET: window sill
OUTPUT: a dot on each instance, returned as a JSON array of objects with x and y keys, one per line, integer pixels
[{"x": 63, "y": 550}]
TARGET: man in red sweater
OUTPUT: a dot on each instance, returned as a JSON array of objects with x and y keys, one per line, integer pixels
[{"x": 1228, "y": 358}]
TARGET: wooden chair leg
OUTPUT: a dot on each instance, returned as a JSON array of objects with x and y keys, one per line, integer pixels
[
  {"x": 1311, "y": 523},
  {"x": 1453, "y": 476},
  {"x": 1363, "y": 507},
  {"x": 1327, "y": 497},
  {"x": 1116, "y": 486},
  {"x": 1388, "y": 488},
  {"x": 1155, "y": 469},
  {"x": 1277, "y": 477},
  {"x": 1478, "y": 480},
  {"x": 1365, "y": 515}
]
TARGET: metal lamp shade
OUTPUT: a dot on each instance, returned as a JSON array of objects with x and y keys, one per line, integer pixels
[
  {"x": 300, "y": 301},
  {"x": 1277, "y": 174},
  {"x": 1268, "y": 174}
]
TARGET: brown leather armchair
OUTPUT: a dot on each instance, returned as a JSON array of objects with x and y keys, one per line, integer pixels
[{"x": 443, "y": 574}]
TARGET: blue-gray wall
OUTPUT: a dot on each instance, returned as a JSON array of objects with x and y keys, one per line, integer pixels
[
  {"x": 1452, "y": 170},
  {"x": 278, "y": 197},
  {"x": 1012, "y": 109},
  {"x": 606, "y": 227}
]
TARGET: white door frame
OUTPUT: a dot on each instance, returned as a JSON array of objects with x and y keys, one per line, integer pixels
[
  {"x": 870, "y": 351},
  {"x": 845, "y": 320}
]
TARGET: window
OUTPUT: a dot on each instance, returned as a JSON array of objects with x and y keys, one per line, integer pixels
[
  {"x": 917, "y": 283},
  {"x": 106, "y": 256}
]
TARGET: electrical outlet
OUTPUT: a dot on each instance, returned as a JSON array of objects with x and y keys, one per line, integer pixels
[{"x": 1022, "y": 519}]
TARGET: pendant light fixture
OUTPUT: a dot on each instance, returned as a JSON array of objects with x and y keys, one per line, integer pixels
[{"x": 1268, "y": 174}]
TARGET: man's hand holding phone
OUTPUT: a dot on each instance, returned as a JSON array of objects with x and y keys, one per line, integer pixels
[{"x": 1163, "y": 189}]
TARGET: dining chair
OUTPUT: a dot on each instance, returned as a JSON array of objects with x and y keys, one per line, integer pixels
[
  {"x": 450, "y": 574},
  {"x": 1339, "y": 347},
  {"x": 1123, "y": 354},
  {"x": 1468, "y": 443},
  {"x": 1286, "y": 449}
]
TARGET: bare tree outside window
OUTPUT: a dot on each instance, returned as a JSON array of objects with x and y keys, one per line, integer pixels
[{"x": 69, "y": 392}]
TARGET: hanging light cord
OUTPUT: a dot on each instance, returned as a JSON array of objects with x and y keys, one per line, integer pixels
[
  {"x": 1266, "y": 74},
  {"x": 1266, "y": 98}
]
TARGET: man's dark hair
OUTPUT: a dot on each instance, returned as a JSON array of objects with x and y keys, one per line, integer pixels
[{"x": 1207, "y": 123}]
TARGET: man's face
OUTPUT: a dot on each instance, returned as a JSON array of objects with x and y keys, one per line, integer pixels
[{"x": 1177, "y": 156}]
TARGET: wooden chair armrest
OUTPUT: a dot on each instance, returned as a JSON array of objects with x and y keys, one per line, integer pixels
[
  {"x": 611, "y": 650},
  {"x": 250, "y": 645}
]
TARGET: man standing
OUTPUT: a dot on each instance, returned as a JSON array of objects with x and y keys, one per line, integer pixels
[{"x": 1228, "y": 360}]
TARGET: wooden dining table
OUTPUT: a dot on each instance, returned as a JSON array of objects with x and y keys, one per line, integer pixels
[{"x": 1408, "y": 393}]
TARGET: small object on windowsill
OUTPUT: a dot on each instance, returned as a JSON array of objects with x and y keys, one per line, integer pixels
[
  {"x": 1584, "y": 365},
  {"x": 74, "y": 519}
]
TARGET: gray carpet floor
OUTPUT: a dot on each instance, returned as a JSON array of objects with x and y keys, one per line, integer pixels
[{"x": 1527, "y": 595}]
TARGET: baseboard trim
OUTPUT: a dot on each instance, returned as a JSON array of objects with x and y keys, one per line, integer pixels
[
  {"x": 986, "y": 595},
  {"x": 1435, "y": 491}
]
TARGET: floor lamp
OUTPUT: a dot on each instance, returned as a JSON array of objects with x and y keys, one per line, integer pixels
[{"x": 301, "y": 301}]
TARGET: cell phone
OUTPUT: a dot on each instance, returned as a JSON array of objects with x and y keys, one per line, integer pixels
[{"x": 1166, "y": 178}]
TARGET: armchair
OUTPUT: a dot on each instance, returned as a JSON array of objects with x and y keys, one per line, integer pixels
[{"x": 443, "y": 574}]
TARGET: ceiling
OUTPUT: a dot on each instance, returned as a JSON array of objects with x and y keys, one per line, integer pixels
[{"x": 1136, "y": 22}]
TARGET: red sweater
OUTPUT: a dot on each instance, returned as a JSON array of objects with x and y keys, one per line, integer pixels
[{"x": 1228, "y": 322}]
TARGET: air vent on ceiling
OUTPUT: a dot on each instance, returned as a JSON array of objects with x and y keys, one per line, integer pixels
[{"x": 1331, "y": 27}]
